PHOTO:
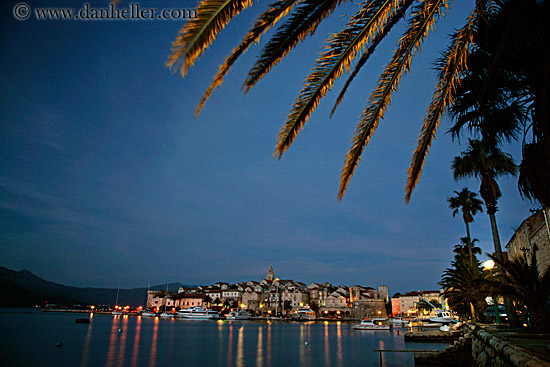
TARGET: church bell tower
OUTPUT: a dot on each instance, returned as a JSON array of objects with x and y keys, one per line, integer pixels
[{"x": 270, "y": 275}]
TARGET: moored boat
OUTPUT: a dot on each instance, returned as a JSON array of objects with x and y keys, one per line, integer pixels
[
  {"x": 442, "y": 317},
  {"x": 166, "y": 315},
  {"x": 371, "y": 324},
  {"x": 304, "y": 314},
  {"x": 237, "y": 315},
  {"x": 198, "y": 313},
  {"x": 398, "y": 321},
  {"x": 147, "y": 314}
]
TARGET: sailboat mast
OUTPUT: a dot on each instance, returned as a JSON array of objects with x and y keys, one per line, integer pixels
[{"x": 117, "y": 290}]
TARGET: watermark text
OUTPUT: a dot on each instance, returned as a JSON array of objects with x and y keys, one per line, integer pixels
[{"x": 22, "y": 11}]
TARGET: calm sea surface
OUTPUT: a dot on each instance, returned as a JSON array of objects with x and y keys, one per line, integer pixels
[{"x": 29, "y": 338}]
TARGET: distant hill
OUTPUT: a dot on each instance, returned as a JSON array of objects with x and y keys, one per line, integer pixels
[{"x": 23, "y": 288}]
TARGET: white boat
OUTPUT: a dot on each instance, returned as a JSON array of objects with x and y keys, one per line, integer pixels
[
  {"x": 398, "y": 321},
  {"x": 371, "y": 324},
  {"x": 304, "y": 314},
  {"x": 166, "y": 315},
  {"x": 437, "y": 315},
  {"x": 441, "y": 317},
  {"x": 237, "y": 315},
  {"x": 198, "y": 313},
  {"x": 147, "y": 314}
]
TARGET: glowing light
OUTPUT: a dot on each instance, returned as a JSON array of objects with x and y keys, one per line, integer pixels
[
  {"x": 92, "y": 307},
  {"x": 489, "y": 264}
]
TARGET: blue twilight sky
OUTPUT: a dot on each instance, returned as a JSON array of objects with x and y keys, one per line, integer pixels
[{"x": 106, "y": 178}]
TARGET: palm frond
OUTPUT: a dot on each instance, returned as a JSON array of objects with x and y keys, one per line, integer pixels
[
  {"x": 341, "y": 49},
  {"x": 302, "y": 23},
  {"x": 198, "y": 33},
  {"x": 395, "y": 18},
  {"x": 422, "y": 21},
  {"x": 450, "y": 66},
  {"x": 265, "y": 21}
]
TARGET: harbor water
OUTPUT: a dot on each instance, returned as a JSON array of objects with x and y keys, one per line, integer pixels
[{"x": 34, "y": 338}]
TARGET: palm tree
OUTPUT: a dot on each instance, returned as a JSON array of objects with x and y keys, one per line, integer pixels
[
  {"x": 485, "y": 164},
  {"x": 465, "y": 288},
  {"x": 466, "y": 250},
  {"x": 502, "y": 94},
  {"x": 358, "y": 39},
  {"x": 467, "y": 202},
  {"x": 531, "y": 289}
]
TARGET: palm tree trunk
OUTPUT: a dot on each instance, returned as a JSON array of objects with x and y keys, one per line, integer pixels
[
  {"x": 508, "y": 304},
  {"x": 496, "y": 237},
  {"x": 469, "y": 244},
  {"x": 473, "y": 311}
]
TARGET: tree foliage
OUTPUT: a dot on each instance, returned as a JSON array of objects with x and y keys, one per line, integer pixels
[
  {"x": 503, "y": 95},
  {"x": 357, "y": 40},
  {"x": 529, "y": 288}
]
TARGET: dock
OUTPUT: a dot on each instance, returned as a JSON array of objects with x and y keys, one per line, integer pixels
[{"x": 436, "y": 336}]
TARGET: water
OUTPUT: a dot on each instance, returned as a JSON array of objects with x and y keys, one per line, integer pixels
[{"x": 29, "y": 338}]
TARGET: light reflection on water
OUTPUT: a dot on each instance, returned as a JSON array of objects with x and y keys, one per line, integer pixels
[
  {"x": 151, "y": 342},
  {"x": 154, "y": 341},
  {"x": 86, "y": 350},
  {"x": 260, "y": 348},
  {"x": 327, "y": 344},
  {"x": 135, "y": 351}
]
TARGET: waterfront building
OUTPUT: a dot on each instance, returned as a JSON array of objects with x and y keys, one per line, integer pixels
[
  {"x": 294, "y": 297},
  {"x": 251, "y": 299},
  {"x": 214, "y": 294},
  {"x": 408, "y": 301},
  {"x": 383, "y": 293},
  {"x": 318, "y": 294},
  {"x": 337, "y": 299},
  {"x": 232, "y": 294},
  {"x": 158, "y": 299},
  {"x": 188, "y": 300},
  {"x": 396, "y": 305},
  {"x": 533, "y": 232}
]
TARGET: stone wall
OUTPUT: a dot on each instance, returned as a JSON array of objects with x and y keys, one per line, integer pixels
[
  {"x": 459, "y": 355},
  {"x": 532, "y": 232},
  {"x": 488, "y": 350}
]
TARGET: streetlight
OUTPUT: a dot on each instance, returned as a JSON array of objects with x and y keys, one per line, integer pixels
[{"x": 489, "y": 265}]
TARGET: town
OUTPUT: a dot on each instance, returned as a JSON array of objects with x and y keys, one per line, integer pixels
[{"x": 276, "y": 297}]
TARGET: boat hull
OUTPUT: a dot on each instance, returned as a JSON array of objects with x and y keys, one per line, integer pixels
[
  {"x": 234, "y": 318},
  {"x": 371, "y": 327},
  {"x": 304, "y": 315},
  {"x": 374, "y": 324},
  {"x": 198, "y": 313},
  {"x": 198, "y": 317}
]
